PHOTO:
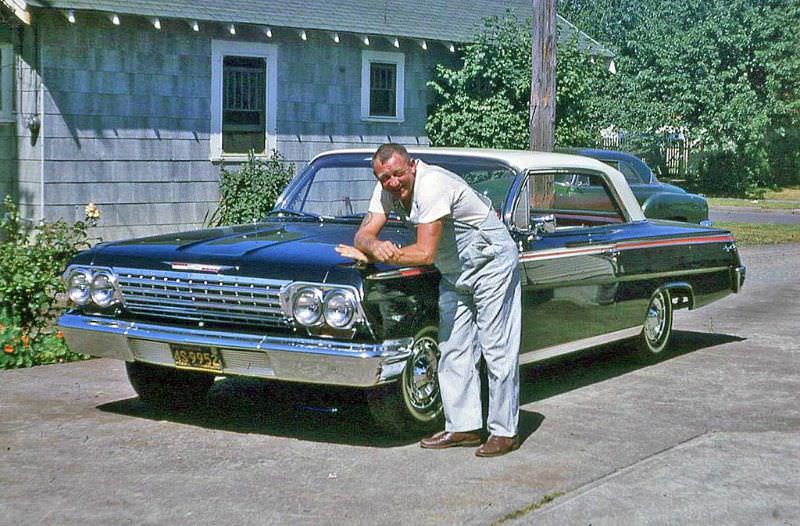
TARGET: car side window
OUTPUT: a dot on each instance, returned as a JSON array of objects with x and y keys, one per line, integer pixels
[
  {"x": 575, "y": 199},
  {"x": 630, "y": 174},
  {"x": 627, "y": 170}
]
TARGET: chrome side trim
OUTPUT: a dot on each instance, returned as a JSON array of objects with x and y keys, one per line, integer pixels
[
  {"x": 672, "y": 273},
  {"x": 589, "y": 250},
  {"x": 296, "y": 359},
  {"x": 578, "y": 345}
]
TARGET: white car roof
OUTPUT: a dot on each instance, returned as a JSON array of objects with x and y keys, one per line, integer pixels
[{"x": 525, "y": 160}]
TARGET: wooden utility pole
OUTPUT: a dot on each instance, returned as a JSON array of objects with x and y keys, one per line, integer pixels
[{"x": 543, "y": 75}]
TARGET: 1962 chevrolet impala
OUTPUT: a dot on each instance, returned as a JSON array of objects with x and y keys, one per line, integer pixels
[{"x": 274, "y": 300}]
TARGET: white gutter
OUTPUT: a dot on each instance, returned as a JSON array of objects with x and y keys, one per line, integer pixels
[
  {"x": 40, "y": 51},
  {"x": 19, "y": 7}
]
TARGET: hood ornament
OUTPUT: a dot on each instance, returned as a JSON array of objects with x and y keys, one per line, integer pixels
[{"x": 198, "y": 267}]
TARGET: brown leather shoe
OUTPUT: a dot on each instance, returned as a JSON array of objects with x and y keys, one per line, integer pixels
[
  {"x": 445, "y": 439},
  {"x": 496, "y": 446}
]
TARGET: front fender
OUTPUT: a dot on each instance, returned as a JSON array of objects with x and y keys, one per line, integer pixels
[
  {"x": 682, "y": 207},
  {"x": 399, "y": 303}
]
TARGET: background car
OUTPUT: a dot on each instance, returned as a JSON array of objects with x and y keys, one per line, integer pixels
[
  {"x": 274, "y": 300},
  {"x": 658, "y": 200}
]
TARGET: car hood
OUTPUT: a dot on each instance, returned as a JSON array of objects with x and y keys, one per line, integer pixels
[{"x": 283, "y": 249}]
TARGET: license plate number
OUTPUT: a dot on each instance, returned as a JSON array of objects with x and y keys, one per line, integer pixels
[{"x": 192, "y": 357}]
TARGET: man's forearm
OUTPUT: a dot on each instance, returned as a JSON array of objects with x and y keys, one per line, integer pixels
[
  {"x": 413, "y": 255},
  {"x": 365, "y": 242}
]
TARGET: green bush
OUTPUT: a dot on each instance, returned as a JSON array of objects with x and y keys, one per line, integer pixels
[
  {"x": 19, "y": 349},
  {"x": 247, "y": 194},
  {"x": 730, "y": 173},
  {"x": 31, "y": 260}
]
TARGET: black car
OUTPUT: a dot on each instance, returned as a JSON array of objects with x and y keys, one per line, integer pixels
[{"x": 274, "y": 300}]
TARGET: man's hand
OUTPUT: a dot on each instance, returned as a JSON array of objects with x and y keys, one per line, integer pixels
[
  {"x": 384, "y": 251},
  {"x": 352, "y": 252}
]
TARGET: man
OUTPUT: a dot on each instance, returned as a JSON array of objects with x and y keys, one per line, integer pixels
[{"x": 479, "y": 293}]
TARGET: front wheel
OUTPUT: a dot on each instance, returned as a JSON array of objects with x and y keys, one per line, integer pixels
[
  {"x": 413, "y": 403},
  {"x": 652, "y": 343},
  {"x": 168, "y": 388}
]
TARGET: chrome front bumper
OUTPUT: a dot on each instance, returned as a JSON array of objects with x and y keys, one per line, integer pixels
[{"x": 282, "y": 358}]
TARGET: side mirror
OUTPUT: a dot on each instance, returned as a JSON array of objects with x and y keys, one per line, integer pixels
[
  {"x": 543, "y": 224},
  {"x": 539, "y": 225}
]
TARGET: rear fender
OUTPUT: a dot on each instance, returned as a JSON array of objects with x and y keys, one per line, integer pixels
[{"x": 688, "y": 207}]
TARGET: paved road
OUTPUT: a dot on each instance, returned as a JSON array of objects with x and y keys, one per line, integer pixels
[
  {"x": 709, "y": 436},
  {"x": 753, "y": 215}
]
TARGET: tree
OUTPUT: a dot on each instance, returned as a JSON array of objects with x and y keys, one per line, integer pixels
[
  {"x": 485, "y": 102},
  {"x": 727, "y": 70}
]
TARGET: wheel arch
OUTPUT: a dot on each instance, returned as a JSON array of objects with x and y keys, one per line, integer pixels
[{"x": 681, "y": 294}]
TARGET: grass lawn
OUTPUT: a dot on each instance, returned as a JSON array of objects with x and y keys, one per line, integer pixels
[
  {"x": 785, "y": 199},
  {"x": 757, "y": 234},
  {"x": 790, "y": 193}
]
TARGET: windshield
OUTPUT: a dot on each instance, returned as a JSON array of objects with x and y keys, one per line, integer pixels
[{"x": 342, "y": 185}]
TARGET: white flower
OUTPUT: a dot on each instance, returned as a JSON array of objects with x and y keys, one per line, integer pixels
[{"x": 91, "y": 211}]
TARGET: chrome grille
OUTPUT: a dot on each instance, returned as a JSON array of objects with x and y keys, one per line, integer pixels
[{"x": 199, "y": 297}]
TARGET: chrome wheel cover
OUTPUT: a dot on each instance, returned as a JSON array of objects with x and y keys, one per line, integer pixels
[
  {"x": 420, "y": 381},
  {"x": 655, "y": 322}
]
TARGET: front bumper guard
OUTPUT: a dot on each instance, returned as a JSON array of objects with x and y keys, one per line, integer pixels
[{"x": 304, "y": 360}]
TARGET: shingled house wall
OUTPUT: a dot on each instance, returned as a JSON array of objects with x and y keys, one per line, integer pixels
[{"x": 127, "y": 113}]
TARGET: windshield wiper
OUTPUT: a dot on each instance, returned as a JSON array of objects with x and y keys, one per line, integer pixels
[{"x": 283, "y": 212}]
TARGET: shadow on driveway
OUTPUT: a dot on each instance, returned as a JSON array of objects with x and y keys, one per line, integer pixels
[{"x": 341, "y": 415}]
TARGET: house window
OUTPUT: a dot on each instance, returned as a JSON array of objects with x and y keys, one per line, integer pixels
[
  {"x": 243, "y": 98},
  {"x": 6, "y": 77},
  {"x": 243, "y": 104},
  {"x": 382, "y": 86}
]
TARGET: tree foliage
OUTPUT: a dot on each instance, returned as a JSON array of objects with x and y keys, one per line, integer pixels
[
  {"x": 727, "y": 72},
  {"x": 485, "y": 103}
]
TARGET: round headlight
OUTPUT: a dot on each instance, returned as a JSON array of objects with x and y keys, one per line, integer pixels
[
  {"x": 307, "y": 306},
  {"x": 103, "y": 289},
  {"x": 78, "y": 287},
  {"x": 339, "y": 309}
]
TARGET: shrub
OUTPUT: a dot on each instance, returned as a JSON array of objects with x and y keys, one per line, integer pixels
[
  {"x": 247, "y": 194},
  {"x": 20, "y": 349},
  {"x": 731, "y": 173},
  {"x": 31, "y": 260}
]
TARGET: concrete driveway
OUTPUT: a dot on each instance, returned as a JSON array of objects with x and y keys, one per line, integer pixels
[
  {"x": 710, "y": 436},
  {"x": 735, "y": 214}
]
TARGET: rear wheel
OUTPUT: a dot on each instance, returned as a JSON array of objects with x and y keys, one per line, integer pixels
[
  {"x": 653, "y": 342},
  {"x": 412, "y": 404},
  {"x": 168, "y": 388}
]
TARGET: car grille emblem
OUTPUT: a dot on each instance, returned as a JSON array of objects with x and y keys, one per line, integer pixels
[{"x": 197, "y": 267}]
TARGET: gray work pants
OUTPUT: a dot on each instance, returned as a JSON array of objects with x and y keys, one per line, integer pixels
[{"x": 479, "y": 313}]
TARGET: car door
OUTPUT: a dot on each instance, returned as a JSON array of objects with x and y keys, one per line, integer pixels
[{"x": 569, "y": 268}]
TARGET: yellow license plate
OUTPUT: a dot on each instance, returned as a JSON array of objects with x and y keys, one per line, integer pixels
[{"x": 194, "y": 357}]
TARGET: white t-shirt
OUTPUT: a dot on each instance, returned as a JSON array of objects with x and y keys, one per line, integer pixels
[{"x": 437, "y": 193}]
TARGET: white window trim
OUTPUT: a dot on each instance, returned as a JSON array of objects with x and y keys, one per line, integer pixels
[
  {"x": 385, "y": 57},
  {"x": 6, "y": 82},
  {"x": 220, "y": 49}
]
